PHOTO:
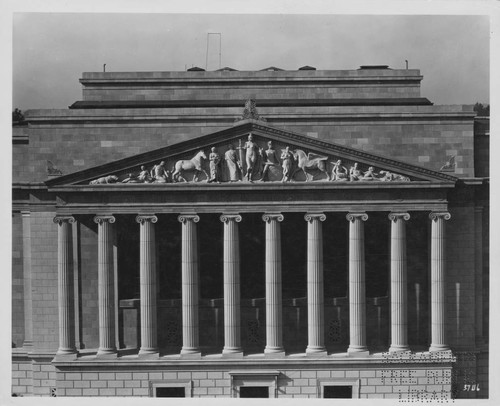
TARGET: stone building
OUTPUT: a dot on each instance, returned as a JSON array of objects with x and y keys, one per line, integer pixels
[{"x": 338, "y": 248}]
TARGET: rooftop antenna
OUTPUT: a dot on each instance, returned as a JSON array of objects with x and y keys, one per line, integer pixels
[
  {"x": 406, "y": 60},
  {"x": 220, "y": 48},
  {"x": 104, "y": 68}
]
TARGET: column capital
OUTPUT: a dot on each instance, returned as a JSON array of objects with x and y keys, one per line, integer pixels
[
  {"x": 184, "y": 218},
  {"x": 268, "y": 217},
  {"x": 396, "y": 216},
  {"x": 309, "y": 217},
  {"x": 142, "y": 218},
  {"x": 435, "y": 215},
  {"x": 104, "y": 219},
  {"x": 356, "y": 216},
  {"x": 225, "y": 218},
  {"x": 63, "y": 219}
]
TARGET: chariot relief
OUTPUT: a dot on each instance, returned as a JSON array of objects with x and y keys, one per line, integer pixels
[{"x": 253, "y": 159}]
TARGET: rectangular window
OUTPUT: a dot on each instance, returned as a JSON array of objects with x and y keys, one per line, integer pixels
[
  {"x": 254, "y": 391},
  {"x": 172, "y": 392},
  {"x": 337, "y": 391}
]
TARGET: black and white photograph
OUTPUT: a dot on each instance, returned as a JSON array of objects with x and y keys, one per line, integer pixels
[{"x": 238, "y": 202}]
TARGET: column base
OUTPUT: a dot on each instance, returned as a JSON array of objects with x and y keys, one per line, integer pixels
[
  {"x": 439, "y": 347},
  {"x": 274, "y": 352},
  {"x": 28, "y": 345},
  {"x": 66, "y": 355},
  {"x": 232, "y": 353},
  {"x": 149, "y": 353},
  {"x": 358, "y": 351},
  {"x": 190, "y": 353},
  {"x": 399, "y": 348},
  {"x": 107, "y": 354},
  {"x": 316, "y": 351}
]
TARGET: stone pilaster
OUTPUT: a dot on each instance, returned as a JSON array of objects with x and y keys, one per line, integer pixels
[
  {"x": 357, "y": 289},
  {"x": 438, "y": 281},
  {"x": 105, "y": 287},
  {"x": 315, "y": 288},
  {"x": 65, "y": 287},
  {"x": 147, "y": 271},
  {"x": 27, "y": 290},
  {"x": 190, "y": 285},
  {"x": 274, "y": 306},
  {"x": 399, "y": 305},
  {"x": 232, "y": 317}
]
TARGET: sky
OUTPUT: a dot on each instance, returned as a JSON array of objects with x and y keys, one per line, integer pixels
[{"x": 51, "y": 50}]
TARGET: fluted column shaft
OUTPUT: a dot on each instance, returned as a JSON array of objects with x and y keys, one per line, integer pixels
[
  {"x": 190, "y": 325},
  {"x": 399, "y": 305},
  {"x": 315, "y": 288},
  {"x": 147, "y": 275},
  {"x": 274, "y": 306},
  {"x": 357, "y": 289},
  {"x": 232, "y": 317},
  {"x": 438, "y": 281},
  {"x": 27, "y": 286},
  {"x": 65, "y": 285},
  {"x": 105, "y": 285}
]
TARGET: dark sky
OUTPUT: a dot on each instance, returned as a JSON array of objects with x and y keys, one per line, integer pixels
[{"x": 51, "y": 50}]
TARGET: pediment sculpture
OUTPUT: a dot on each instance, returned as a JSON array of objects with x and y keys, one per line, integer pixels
[{"x": 254, "y": 160}]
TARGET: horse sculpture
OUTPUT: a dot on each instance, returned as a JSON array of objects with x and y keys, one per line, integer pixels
[
  {"x": 309, "y": 161},
  {"x": 189, "y": 165}
]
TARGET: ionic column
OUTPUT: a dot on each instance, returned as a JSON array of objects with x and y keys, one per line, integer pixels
[
  {"x": 190, "y": 326},
  {"x": 438, "y": 292},
  {"x": 65, "y": 286},
  {"x": 399, "y": 306},
  {"x": 315, "y": 288},
  {"x": 147, "y": 275},
  {"x": 232, "y": 322},
  {"x": 357, "y": 289},
  {"x": 274, "y": 307},
  {"x": 105, "y": 286}
]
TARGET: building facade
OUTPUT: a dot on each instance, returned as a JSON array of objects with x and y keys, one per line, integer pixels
[{"x": 251, "y": 234}]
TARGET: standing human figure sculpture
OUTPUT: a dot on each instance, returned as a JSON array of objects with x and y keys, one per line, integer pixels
[
  {"x": 339, "y": 171},
  {"x": 270, "y": 159},
  {"x": 252, "y": 150},
  {"x": 233, "y": 163},
  {"x": 214, "y": 159},
  {"x": 287, "y": 158}
]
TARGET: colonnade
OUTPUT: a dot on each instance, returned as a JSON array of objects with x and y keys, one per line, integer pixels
[{"x": 273, "y": 283}]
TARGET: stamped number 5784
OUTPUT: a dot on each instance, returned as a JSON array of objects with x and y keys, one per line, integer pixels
[{"x": 471, "y": 388}]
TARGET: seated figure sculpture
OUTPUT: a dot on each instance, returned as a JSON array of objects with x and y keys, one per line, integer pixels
[
  {"x": 355, "y": 173},
  {"x": 339, "y": 172}
]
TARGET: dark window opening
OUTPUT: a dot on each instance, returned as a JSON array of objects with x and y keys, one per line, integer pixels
[
  {"x": 335, "y": 391},
  {"x": 171, "y": 392},
  {"x": 254, "y": 392}
]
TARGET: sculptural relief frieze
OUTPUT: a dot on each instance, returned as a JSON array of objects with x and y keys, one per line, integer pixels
[{"x": 253, "y": 160}]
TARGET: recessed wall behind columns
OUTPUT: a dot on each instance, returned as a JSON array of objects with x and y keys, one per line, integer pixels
[{"x": 44, "y": 281}]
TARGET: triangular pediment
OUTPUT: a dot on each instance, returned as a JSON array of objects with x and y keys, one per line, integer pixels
[{"x": 313, "y": 161}]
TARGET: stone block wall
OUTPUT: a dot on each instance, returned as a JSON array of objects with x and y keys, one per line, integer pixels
[{"x": 401, "y": 382}]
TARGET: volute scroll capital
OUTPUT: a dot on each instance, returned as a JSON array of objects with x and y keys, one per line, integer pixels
[
  {"x": 225, "y": 218},
  {"x": 142, "y": 218},
  {"x": 268, "y": 217},
  {"x": 309, "y": 217},
  {"x": 104, "y": 219},
  {"x": 351, "y": 217},
  {"x": 395, "y": 216},
  {"x": 184, "y": 218},
  {"x": 63, "y": 219},
  {"x": 435, "y": 215}
]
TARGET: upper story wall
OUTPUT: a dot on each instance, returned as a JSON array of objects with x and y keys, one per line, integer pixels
[{"x": 261, "y": 85}]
